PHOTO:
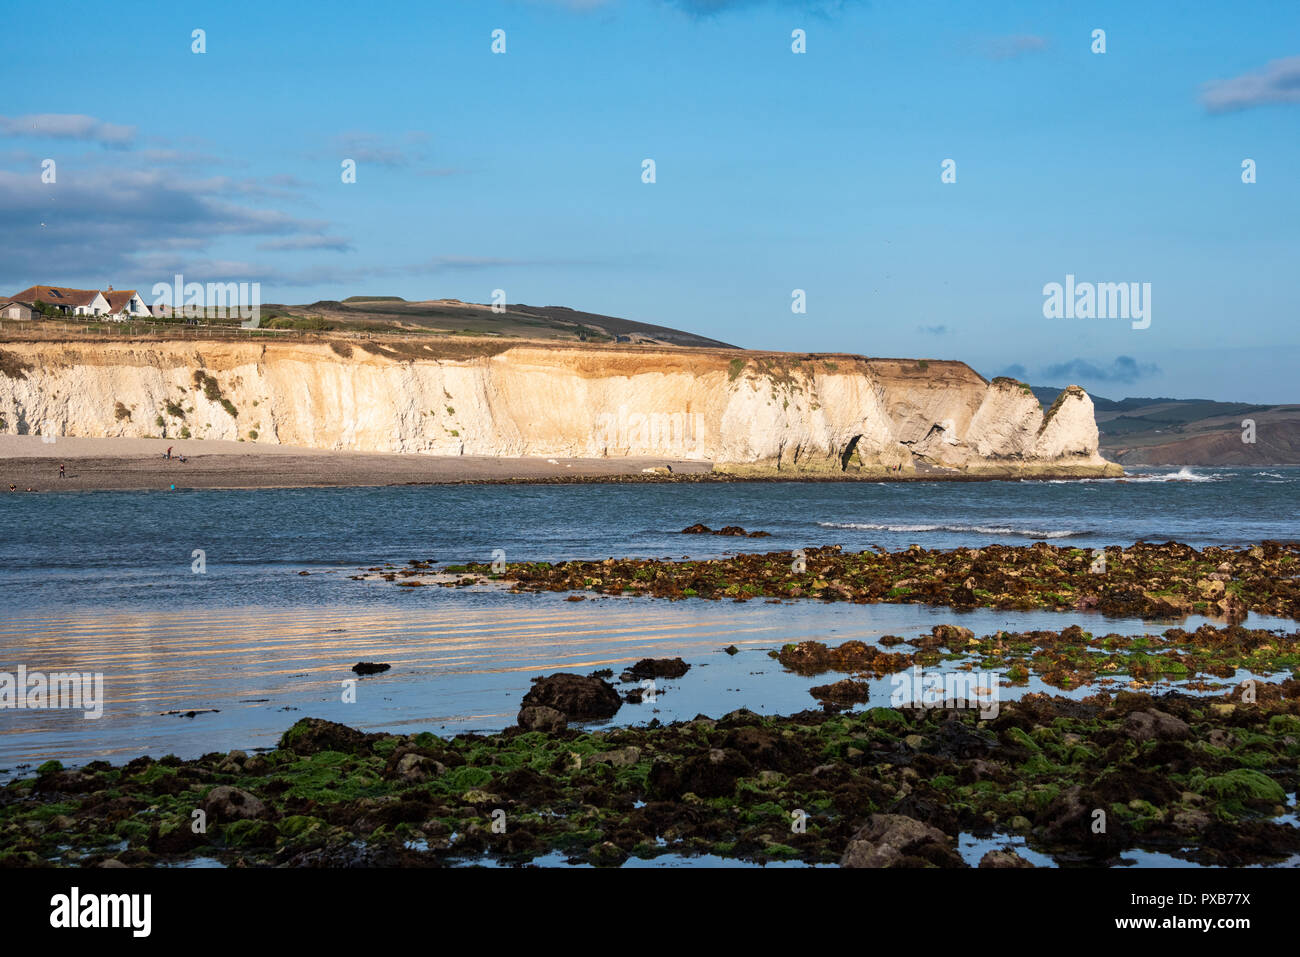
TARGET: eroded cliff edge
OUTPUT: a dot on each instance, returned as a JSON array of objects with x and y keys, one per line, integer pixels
[{"x": 749, "y": 413}]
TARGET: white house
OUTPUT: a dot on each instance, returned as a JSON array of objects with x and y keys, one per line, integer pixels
[
  {"x": 125, "y": 304},
  {"x": 71, "y": 302}
]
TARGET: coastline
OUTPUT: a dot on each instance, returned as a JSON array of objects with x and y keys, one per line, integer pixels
[{"x": 130, "y": 464}]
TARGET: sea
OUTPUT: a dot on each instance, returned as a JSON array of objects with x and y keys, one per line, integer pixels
[{"x": 218, "y": 618}]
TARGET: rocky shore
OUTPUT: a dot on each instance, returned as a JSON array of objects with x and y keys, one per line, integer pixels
[
  {"x": 1201, "y": 779},
  {"x": 1179, "y": 742},
  {"x": 1145, "y": 580}
]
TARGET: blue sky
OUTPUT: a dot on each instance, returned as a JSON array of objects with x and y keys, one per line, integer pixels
[{"x": 775, "y": 171}]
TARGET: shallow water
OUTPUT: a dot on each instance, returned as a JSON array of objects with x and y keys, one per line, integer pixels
[
  {"x": 462, "y": 660},
  {"x": 111, "y": 582}
]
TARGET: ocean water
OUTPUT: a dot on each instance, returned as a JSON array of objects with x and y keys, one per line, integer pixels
[
  {"x": 136, "y": 550},
  {"x": 109, "y": 582}
]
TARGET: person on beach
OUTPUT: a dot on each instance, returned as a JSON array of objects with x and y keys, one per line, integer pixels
[
  {"x": 62, "y": 473},
  {"x": 168, "y": 455},
  {"x": 13, "y": 487}
]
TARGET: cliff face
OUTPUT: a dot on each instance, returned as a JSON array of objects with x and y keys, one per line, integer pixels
[{"x": 744, "y": 411}]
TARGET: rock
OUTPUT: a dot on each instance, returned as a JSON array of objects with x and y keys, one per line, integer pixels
[
  {"x": 1145, "y": 725},
  {"x": 577, "y": 697},
  {"x": 659, "y": 668},
  {"x": 618, "y": 758},
  {"x": 731, "y": 650},
  {"x": 224, "y": 803},
  {"x": 1221, "y": 738},
  {"x": 606, "y": 854},
  {"x": 370, "y": 667},
  {"x": 888, "y": 840},
  {"x": 731, "y": 531},
  {"x": 312, "y": 735},
  {"x": 1191, "y": 821},
  {"x": 954, "y": 636},
  {"x": 415, "y": 768},
  {"x": 256, "y": 765},
  {"x": 542, "y": 718},
  {"x": 847, "y": 691},
  {"x": 1003, "y": 858},
  {"x": 705, "y": 775}
]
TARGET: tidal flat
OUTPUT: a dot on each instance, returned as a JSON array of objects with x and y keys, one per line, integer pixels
[{"x": 1103, "y": 747}]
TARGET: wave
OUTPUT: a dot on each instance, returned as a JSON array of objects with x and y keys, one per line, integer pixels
[
  {"x": 982, "y": 529},
  {"x": 1184, "y": 474}
]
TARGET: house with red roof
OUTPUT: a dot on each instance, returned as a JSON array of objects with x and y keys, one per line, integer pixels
[
  {"x": 112, "y": 303},
  {"x": 125, "y": 304}
]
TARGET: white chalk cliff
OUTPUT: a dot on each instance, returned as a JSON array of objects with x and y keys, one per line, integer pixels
[{"x": 743, "y": 411}]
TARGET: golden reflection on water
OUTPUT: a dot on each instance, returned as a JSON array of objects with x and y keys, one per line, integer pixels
[{"x": 155, "y": 662}]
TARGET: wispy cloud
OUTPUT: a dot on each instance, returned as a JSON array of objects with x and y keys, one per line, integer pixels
[
  {"x": 375, "y": 150},
  {"x": 107, "y": 222},
  {"x": 1124, "y": 369},
  {"x": 933, "y": 330},
  {"x": 1278, "y": 82},
  {"x": 67, "y": 126},
  {"x": 1011, "y": 47},
  {"x": 297, "y": 243},
  {"x": 705, "y": 8}
]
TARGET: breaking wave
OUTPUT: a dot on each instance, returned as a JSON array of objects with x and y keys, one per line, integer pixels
[
  {"x": 1036, "y": 533},
  {"x": 1184, "y": 474}
]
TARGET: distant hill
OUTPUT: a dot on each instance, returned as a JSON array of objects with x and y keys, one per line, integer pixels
[
  {"x": 1164, "y": 431},
  {"x": 453, "y": 317}
]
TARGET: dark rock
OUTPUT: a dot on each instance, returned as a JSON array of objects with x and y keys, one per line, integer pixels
[
  {"x": 1003, "y": 858},
  {"x": 311, "y": 735},
  {"x": 1145, "y": 725},
  {"x": 370, "y": 667},
  {"x": 659, "y": 668},
  {"x": 847, "y": 691},
  {"x": 705, "y": 775},
  {"x": 577, "y": 697}
]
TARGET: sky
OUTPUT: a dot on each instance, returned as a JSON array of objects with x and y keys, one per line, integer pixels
[{"x": 774, "y": 171}]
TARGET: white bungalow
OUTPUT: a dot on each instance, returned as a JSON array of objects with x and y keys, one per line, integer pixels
[
  {"x": 70, "y": 302},
  {"x": 125, "y": 304}
]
